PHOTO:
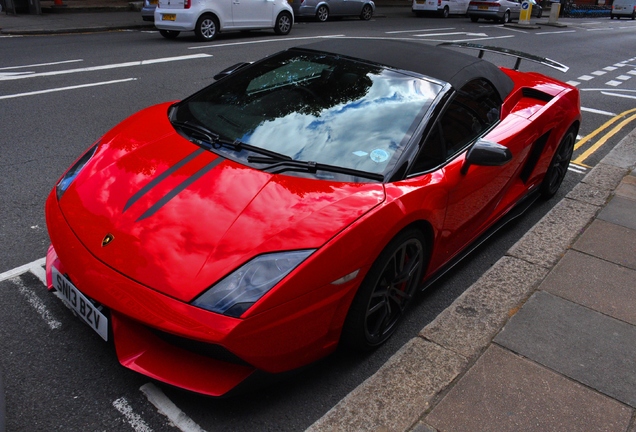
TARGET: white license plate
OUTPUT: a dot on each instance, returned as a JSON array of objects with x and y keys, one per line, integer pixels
[{"x": 80, "y": 304}]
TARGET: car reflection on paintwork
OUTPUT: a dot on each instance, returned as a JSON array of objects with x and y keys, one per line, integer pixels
[
  {"x": 322, "y": 10},
  {"x": 495, "y": 10}
]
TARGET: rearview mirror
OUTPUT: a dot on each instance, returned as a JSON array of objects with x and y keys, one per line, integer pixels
[{"x": 486, "y": 153}]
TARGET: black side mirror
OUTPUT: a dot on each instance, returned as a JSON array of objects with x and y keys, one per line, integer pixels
[
  {"x": 486, "y": 153},
  {"x": 230, "y": 70}
]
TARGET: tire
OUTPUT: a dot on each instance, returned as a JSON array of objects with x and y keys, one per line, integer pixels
[
  {"x": 634, "y": 16},
  {"x": 169, "y": 34},
  {"x": 366, "y": 13},
  {"x": 558, "y": 165},
  {"x": 322, "y": 14},
  {"x": 385, "y": 292},
  {"x": 284, "y": 23},
  {"x": 506, "y": 18},
  {"x": 445, "y": 12},
  {"x": 540, "y": 14},
  {"x": 474, "y": 19},
  {"x": 207, "y": 28}
]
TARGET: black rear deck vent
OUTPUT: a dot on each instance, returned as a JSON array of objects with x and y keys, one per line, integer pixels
[{"x": 536, "y": 94}]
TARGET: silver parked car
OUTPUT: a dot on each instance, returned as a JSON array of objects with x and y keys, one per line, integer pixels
[
  {"x": 496, "y": 10},
  {"x": 322, "y": 10}
]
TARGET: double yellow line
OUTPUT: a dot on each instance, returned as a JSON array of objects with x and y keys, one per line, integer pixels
[{"x": 624, "y": 115}]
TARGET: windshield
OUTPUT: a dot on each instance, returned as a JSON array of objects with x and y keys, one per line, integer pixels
[{"x": 316, "y": 107}]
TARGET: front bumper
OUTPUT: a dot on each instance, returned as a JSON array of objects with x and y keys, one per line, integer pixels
[{"x": 277, "y": 340}]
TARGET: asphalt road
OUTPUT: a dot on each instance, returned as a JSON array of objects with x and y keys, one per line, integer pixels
[{"x": 58, "y": 94}]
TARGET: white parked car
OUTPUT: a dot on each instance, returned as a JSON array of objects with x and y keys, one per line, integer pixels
[
  {"x": 441, "y": 7},
  {"x": 207, "y": 18}
]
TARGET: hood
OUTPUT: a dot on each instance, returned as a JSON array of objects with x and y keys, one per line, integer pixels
[{"x": 181, "y": 217}]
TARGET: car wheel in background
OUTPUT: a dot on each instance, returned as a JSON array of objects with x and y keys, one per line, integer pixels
[
  {"x": 445, "y": 12},
  {"x": 367, "y": 12},
  {"x": 559, "y": 165},
  {"x": 474, "y": 19},
  {"x": 207, "y": 28},
  {"x": 385, "y": 292},
  {"x": 506, "y": 18},
  {"x": 169, "y": 34},
  {"x": 322, "y": 14},
  {"x": 540, "y": 14},
  {"x": 283, "y": 23}
]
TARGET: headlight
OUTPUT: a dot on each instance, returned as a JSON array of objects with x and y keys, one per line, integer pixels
[
  {"x": 70, "y": 175},
  {"x": 241, "y": 289}
]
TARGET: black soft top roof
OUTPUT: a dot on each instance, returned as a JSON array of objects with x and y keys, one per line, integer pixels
[{"x": 439, "y": 63}]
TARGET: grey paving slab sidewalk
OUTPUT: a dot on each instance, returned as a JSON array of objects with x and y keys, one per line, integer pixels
[{"x": 544, "y": 340}]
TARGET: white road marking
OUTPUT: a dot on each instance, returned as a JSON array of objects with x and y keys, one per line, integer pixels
[
  {"x": 600, "y": 29},
  {"x": 470, "y": 40},
  {"x": 452, "y": 34},
  {"x": 9, "y": 274},
  {"x": 632, "y": 72},
  {"x": 66, "y": 88},
  {"x": 618, "y": 95},
  {"x": 133, "y": 419},
  {"x": 573, "y": 83},
  {"x": 108, "y": 66},
  {"x": 595, "y": 111},
  {"x": 265, "y": 41},
  {"x": 577, "y": 169},
  {"x": 169, "y": 409},
  {"x": 556, "y": 32},
  {"x": 41, "y": 64},
  {"x": 613, "y": 83},
  {"x": 38, "y": 305},
  {"x": 599, "y": 73},
  {"x": 623, "y": 77},
  {"x": 619, "y": 64},
  {"x": 585, "y": 77},
  {"x": 420, "y": 31},
  {"x": 610, "y": 68}
]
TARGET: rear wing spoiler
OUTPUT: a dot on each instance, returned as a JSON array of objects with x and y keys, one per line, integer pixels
[{"x": 505, "y": 51}]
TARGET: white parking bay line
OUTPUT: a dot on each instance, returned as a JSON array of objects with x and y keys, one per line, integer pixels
[
  {"x": 169, "y": 409},
  {"x": 595, "y": 111},
  {"x": 22, "y": 269},
  {"x": 38, "y": 305},
  {"x": 133, "y": 419},
  {"x": 17, "y": 95}
]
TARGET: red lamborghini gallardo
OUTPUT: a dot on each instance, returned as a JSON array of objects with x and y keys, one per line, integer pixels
[{"x": 298, "y": 203}]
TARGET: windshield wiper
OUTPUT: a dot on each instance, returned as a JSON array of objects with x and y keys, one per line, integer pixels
[
  {"x": 212, "y": 140},
  {"x": 277, "y": 165}
]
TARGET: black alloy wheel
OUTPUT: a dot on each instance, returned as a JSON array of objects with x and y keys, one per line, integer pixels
[
  {"x": 169, "y": 34},
  {"x": 386, "y": 292},
  {"x": 559, "y": 165}
]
